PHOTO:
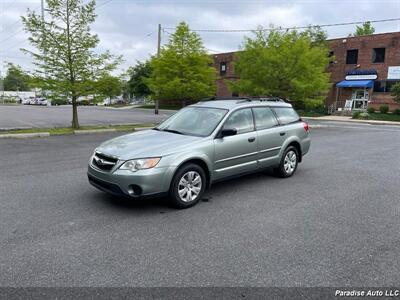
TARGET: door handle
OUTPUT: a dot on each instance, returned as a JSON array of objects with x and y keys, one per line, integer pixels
[
  {"x": 282, "y": 133},
  {"x": 251, "y": 139}
]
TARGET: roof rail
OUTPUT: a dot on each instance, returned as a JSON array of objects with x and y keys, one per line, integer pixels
[
  {"x": 245, "y": 99},
  {"x": 225, "y": 98},
  {"x": 267, "y": 99}
]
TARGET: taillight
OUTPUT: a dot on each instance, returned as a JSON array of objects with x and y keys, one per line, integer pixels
[{"x": 306, "y": 128}]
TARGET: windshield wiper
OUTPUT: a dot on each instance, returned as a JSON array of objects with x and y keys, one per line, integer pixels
[{"x": 172, "y": 131}]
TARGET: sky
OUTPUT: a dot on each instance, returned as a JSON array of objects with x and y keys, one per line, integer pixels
[{"x": 129, "y": 27}]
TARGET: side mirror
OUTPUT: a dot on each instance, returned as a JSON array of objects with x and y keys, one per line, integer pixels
[{"x": 228, "y": 132}]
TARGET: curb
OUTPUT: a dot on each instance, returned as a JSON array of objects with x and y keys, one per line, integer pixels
[
  {"x": 14, "y": 128},
  {"x": 24, "y": 135},
  {"x": 143, "y": 128},
  {"x": 370, "y": 122},
  {"x": 94, "y": 131},
  {"x": 318, "y": 126},
  {"x": 77, "y": 132}
]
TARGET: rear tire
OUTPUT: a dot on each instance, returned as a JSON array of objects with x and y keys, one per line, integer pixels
[
  {"x": 187, "y": 186},
  {"x": 289, "y": 162}
]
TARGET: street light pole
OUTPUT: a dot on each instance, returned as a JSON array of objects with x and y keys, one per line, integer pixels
[{"x": 158, "y": 55}]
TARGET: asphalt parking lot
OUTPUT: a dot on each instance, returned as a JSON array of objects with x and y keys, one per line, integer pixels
[
  {"x": 31, "y": 116},
  {"x": 335, "y": 223}
]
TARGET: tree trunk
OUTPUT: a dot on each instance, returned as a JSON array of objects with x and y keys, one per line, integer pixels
[{"x": 75, "y": 122}]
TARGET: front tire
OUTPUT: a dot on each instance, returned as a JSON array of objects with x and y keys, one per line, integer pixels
[
  {"x": 289, "y": 162},
  {"x": 188, "y": 185}
]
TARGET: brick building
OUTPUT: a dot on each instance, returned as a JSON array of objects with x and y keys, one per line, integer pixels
[{"x": 363, "y": 71}]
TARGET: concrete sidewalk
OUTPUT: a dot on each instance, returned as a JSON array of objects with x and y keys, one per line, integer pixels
[{"x": 349, "y": 119}]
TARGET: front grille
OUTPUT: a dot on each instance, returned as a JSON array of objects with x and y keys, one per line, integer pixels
[{"x": 104, "y": 162}]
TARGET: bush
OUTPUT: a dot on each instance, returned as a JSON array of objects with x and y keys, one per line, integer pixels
[
  {"x": 363, "y": 116},
  {"x": 84, "y": 102},
  {"x": 371, "y": 110},
  {"x": 396, "y": 111},
  {"x": 356, "y": 114},
  {"x": 8, "y": 100},
  {"x": 58, "y": 101},
  {"x": 384, "y": 109}
]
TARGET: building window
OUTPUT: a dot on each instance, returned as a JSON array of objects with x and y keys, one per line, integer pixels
[
  {"x": 379, "y": 86},
  {"x": 331, "y": 57},
  {"x": 222, "y": 68},
  {"x": 378, "y": 55},
  {"x": 390, "y": 84},
  {"x": 352, "y": 57},
  {"x": 384, "y": 86}
]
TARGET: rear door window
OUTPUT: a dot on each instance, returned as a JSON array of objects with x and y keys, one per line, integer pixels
[
  {"x": 241, "y": 120},
  {"x": 286, "y": 115},
  {"x": 264, "y": 118}
]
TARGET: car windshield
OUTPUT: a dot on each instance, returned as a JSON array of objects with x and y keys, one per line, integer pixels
[{"x": 192, "y": 120}]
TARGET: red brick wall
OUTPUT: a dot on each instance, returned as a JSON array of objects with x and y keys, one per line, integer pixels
[
  {"x": 339, "y": 68},
  {"x": 365, "y": 45},
  {"x": 222, "y": 88}
]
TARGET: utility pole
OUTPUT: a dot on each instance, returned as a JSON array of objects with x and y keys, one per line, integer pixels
[
  {"x": 1, "y": 87},
  {"x": 42, "y": 9},
  {"x": 45, "y": 74},
  {"x": 158, "y": 55}
]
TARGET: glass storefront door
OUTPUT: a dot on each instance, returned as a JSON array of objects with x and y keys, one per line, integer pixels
[{"x": 360, "y": 99}]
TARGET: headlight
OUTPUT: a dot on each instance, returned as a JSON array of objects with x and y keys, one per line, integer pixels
[{"x": 140, "y": 164}]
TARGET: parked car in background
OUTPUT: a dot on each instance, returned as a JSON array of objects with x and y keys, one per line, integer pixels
[
  {"x": 26, "y": 101},
  {"x": 33, "y": 101},
  {"x": 42, "y": 101},
  {"x": 199, "y": 145}
]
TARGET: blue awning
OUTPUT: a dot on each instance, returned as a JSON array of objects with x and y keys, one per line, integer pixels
[{"x": 356, "y": 83}]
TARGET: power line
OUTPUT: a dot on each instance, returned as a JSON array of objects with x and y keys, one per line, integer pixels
[
  {"x": 104, "y": 3},
  {"x": 10, "y": 25},
  {"x": 11, "y": 4},
  {"x": 12, "y": 36},
  {"x": 13, "y": 45},
  {"x": 288, "y": 28}
]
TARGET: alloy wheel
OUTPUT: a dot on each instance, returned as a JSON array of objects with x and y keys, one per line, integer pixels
[
  {"x": 189, "y": 186},
  {"x": 290, "y": 162}
]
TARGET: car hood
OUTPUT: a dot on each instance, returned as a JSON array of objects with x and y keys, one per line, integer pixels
[{"x": 146, "y": 143}]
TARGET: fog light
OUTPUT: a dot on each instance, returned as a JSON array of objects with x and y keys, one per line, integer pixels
[{"x": 135, "y": 190}]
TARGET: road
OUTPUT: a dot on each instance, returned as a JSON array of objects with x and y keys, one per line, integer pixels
[
  {"x": 26, "y": 116},
  {"x": 335, "y": 223}
]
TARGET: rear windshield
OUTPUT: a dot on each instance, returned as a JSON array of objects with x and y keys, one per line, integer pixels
[{"x": 286, "y": 115}]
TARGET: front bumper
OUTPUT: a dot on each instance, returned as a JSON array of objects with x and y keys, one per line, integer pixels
[{"x": 143, "y": 183}]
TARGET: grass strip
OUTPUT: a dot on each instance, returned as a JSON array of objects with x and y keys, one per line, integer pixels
[{"x": 69, "y": 130}]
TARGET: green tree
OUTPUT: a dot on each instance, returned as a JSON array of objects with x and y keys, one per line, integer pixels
[
  {"x": 65, "y": 58},
  {"x": 108, "y": 86},
  {"x": 138, "y": 76},
  {"x": 396, "y": 92},
  {"x": 283, "y": 64},
  {"x": 16, "y": 79},
  {"x": 365, "y": 29},
  {"x": 317, "y": 35},
  {"x": 183, "y": 71}
]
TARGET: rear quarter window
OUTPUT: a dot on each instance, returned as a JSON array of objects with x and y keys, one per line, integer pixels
[
  {"x": 264, "y": 118},
  {"x": 286, "y": 115}
]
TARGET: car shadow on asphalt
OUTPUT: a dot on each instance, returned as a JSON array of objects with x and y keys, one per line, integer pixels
[
  {"x": 162, "y": 204},
  {"x": 121, "y": 203}
]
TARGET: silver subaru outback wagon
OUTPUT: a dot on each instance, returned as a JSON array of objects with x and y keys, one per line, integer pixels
[{"x": 200, "y": 144}]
